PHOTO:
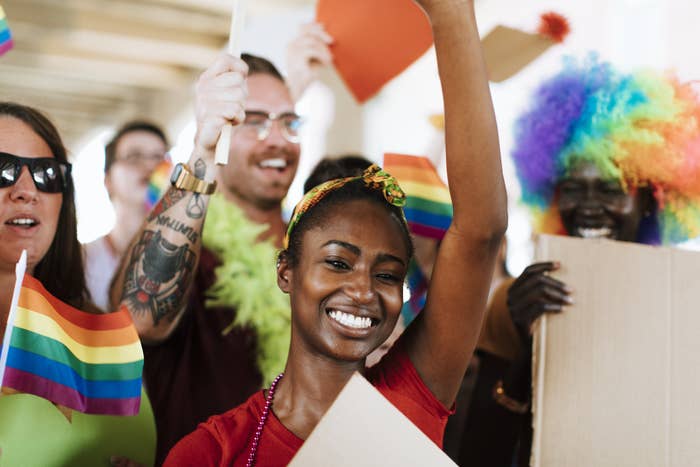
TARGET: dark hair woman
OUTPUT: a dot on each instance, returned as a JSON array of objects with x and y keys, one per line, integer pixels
[
  {"x": 343, "y": 266},
  {"x": 37, "y": 214}
]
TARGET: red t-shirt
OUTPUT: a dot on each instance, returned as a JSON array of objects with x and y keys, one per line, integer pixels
[{"x": 225, "y": 440}]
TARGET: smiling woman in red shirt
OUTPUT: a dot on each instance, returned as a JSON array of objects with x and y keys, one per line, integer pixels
[{"x": 345, "y": 259}]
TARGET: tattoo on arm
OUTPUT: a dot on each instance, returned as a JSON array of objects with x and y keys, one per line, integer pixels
[
  {"x": 195, "y": 208},
  {"x": 158, "y": 272},
  {"x": 157, "y": 276},
  {"x": 171, "y": 198}
]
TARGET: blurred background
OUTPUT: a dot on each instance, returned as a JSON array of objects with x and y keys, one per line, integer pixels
[{"x": 93, "y": 64}]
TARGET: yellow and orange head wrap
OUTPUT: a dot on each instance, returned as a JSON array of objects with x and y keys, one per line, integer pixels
[{"x": 374, "y": 177}]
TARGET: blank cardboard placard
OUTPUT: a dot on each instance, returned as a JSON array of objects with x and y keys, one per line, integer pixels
[
  {"x": 507, "y": 51},
  {"x": 374, "y": 41},
  {"x": 363, "y": 428},
  {"x": 615, "y": 375}
]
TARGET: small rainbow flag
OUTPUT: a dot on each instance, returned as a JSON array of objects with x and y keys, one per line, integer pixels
[
  {"x": 88, "y": 362},
  {"x": 428, "y": 204},
  {"x": 428, "y": 211},
  {"x": 5, "y": 36},
  {"x": 158, "y": 182}
]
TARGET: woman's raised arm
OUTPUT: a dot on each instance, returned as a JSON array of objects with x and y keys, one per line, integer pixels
[{"x": 442, "y": 340}]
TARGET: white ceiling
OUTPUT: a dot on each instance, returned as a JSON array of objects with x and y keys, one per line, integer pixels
[{"x": 90, "y": 63}]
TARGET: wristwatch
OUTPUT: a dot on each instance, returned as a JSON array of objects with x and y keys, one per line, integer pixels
[{"x": 182, "y": 178}]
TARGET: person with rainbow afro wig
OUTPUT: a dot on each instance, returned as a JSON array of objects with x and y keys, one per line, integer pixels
[
  {"x": 641, "y": 130},
  {"x": 599, "y": 153}
]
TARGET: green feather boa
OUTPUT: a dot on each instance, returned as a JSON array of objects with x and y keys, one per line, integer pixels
[{"x": 247, "y": 281}]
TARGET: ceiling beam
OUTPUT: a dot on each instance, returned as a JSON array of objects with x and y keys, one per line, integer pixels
[
  {"x": 111, "y": 45},
  {"x": 221, "y": 7},
  {"x": 139, "y": 75},
  {"x": 57, "y": 15},
  {"x": 42, "y": 81}
]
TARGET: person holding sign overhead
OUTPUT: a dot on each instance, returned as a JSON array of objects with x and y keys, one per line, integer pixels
[{"x": 345, "y": 257}]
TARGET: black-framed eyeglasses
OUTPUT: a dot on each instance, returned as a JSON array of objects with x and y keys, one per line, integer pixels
[
  {"x": 49, "y": 175},
  {"x": 261, "y": 122}
]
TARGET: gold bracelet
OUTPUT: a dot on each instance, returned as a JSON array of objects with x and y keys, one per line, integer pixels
[{"x": 502, "y": 399}]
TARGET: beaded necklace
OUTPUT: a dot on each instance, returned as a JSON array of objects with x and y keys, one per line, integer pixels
[{"x": 263, "y": 419}]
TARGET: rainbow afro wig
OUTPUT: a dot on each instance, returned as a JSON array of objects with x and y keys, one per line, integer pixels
[{"x": 641, "y": 129}]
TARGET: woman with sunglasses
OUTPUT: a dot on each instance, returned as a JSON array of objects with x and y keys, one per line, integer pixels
[
  {"x": 37, "y": 214},
  {"x": 343, "y": 266}
]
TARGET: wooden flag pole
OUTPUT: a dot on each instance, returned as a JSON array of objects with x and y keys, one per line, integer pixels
[
  {"x": 234, "y": 48},
  {"x": 20, "y": 269}
]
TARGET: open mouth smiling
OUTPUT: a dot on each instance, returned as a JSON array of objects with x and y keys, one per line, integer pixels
[
  {"x": 24, "y": 222},
  {"x": 278, "y": 163},
  {"x": 350, "y": 320},
  {"x": 594, "y": 232}
]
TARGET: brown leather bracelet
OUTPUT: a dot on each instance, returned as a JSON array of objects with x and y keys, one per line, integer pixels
[{"x": 502, "y": 399}]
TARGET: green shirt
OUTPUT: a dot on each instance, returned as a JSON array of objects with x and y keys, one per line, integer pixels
[{"x": 33, "y": 432}]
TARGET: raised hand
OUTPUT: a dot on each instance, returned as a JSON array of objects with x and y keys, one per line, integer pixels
[
  {"x": 306, "y": 55},
  {"x": 220, "y": 95},
  {"x": 535, "y": 293}
]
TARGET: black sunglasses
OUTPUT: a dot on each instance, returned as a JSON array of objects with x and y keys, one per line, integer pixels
[{"x": 49, "y": 175}]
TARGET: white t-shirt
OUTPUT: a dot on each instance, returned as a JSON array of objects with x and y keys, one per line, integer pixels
[{"x": 100, "y": 266}]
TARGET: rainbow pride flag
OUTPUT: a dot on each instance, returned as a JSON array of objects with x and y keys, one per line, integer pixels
[
  {"x": 428, "y": 207},
  {"x": 5, "y": 36},
  {"x": 158, "y": 183},
  {"x": 88, "y": 362},
  {"x": 428, "y": 211}
]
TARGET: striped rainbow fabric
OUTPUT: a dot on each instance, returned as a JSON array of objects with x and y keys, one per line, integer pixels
[
  {"x": 428, "y": 204},
  {"x": 5, "y": 36},
  {"x": 428, "y": 211},
  {"x": 158, "y": 183},
  {"x": 88, "y": 362}
]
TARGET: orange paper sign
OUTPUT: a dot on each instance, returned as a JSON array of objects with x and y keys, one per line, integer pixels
[{"x": 374, "y": 40}]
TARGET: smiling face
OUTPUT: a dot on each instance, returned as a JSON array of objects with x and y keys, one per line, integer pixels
[
  {"x": 593, "y": 207},
  {"x": 260, "y": 172},
  {"x": 136, "y": 155},
  {"x": 346, "y": 291},
  {"x": 28, "y": 217}
]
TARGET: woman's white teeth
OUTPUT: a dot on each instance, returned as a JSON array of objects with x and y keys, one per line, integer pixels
[
  {"x": 276, "y": 163},
  {"x": 346, "y": 319},
  {"x": 23, "y": 221},
  {"x": 600, "y": 232}
]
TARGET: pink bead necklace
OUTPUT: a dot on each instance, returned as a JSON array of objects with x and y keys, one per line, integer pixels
[{"x": 263, "y": 419}]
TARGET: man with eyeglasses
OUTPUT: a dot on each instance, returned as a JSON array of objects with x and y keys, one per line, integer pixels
[
  {"x": 196, "y": 365},
  {"x": 131, "y": 156}
]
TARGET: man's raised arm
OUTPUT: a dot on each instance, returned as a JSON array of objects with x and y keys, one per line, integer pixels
[{"x": 157, "y": 270}]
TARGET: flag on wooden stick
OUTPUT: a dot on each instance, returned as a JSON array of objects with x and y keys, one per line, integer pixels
[{"x": 88, "y": 362}]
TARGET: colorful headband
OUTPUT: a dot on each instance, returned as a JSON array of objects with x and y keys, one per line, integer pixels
[{"x": 374, "y": 177}]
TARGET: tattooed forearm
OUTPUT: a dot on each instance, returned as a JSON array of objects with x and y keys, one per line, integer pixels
[
  {"x": 171, "y": 198},
  {"x": 158, "y": 271},
  {"x": 178, "y": 226},
  {"x": 157, "y": 276}
]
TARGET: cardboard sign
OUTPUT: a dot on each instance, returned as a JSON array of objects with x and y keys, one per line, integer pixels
[
  {"x": 363, "y": 428},
  {"x": 507, "y": 51},
  {"x": 616, "y": 375},
  {"x": 374, "y": 41}
]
